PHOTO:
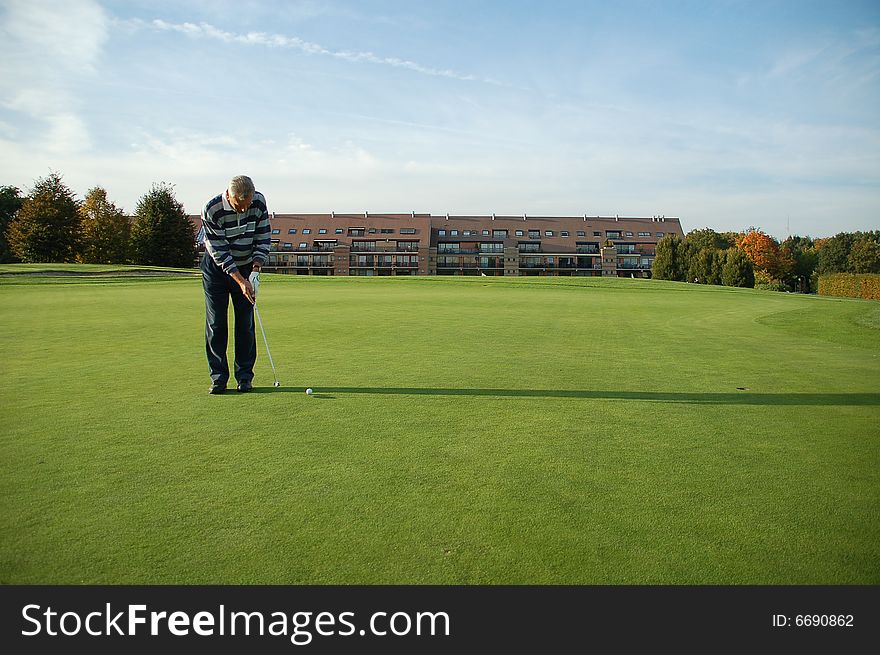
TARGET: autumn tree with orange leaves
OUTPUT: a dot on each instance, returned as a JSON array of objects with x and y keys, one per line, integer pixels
[{"x": 767, "y": 257}]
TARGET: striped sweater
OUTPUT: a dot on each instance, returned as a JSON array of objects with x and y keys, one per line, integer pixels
[{"x": 233, "y": 239}]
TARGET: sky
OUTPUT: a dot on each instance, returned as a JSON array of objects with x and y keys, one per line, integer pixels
[{"x": 727, "y": 114}]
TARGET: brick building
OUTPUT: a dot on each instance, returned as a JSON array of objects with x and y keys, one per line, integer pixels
[{"x": 422, "y": 244}]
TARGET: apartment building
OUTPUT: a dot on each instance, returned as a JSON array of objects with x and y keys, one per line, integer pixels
[{"x": 425, "y": 244}]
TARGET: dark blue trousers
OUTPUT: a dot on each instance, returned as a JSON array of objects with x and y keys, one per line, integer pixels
[{"x": 219, "y": 287}]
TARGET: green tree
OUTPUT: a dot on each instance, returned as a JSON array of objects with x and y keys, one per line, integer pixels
[
  {"x": 705, "y": 266},
  {"x": 709, "y": 239},
  {"x": 10, "y": 203},
  {"x": 105, "y": 230},
  {"x": 834, "y": 253},
  {"x": 803, "y": 253},
  {"x": 864, "y": 256},
  {"x": 162, "y": 234},
  {"x": 46, "y": 227},
  {"x": 670, "y": 262},
  {"x": 738, "y": 270}
]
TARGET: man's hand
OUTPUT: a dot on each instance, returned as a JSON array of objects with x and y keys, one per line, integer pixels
[{"x": 247, "y": 289}]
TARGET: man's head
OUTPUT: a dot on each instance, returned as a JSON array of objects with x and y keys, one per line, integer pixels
[{"x": 240, "y": 192}]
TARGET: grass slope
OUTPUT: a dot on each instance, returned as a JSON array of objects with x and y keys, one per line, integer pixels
[{"x": 462, "y": 431}]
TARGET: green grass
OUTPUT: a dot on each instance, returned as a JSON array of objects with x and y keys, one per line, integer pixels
[{"x": 477, "y": 430}]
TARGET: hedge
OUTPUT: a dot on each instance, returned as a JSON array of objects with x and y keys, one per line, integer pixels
[{"x": 850, "y": 285}]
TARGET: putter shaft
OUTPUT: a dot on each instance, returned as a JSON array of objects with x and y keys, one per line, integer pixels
[{"x": 266, "y": 342}]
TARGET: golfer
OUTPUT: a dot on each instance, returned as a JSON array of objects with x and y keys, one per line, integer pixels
[{"x": 236, "y": 229}]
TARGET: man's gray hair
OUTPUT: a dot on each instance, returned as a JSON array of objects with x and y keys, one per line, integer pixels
[{"x": 241, "y": 186}]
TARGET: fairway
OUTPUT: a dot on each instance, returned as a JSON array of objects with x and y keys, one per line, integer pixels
[{"x": 462, "y": 431}]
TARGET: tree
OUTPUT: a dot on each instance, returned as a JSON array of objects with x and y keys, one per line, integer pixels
[
  {"x": 834, "y": 253},
  {"x": 764, "y": 253},
  {"x": 670, "y": 262},
  {"x": 705, "y": 266},
  {"x": 864, "y": 256},
  {"x": 709, "y": 239},
  {"x": 10, "y": 203},
  {"x": 105, "y": 230},
  {"x": 738, "y": 270},
  {"x": 47, "y": 225},
  {"x": 162, "y": 234},
  {"x": 805, "y": 258}
]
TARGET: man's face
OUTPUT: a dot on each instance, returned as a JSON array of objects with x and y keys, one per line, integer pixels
[{"x": 240, "y": 205}]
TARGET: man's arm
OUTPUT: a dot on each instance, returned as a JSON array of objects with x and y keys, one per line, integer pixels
[{"x": 216, "y": 244}]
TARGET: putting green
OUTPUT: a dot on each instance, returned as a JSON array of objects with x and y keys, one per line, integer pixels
[{"x": 462, "y": 430}]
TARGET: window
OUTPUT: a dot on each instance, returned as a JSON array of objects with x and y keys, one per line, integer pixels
[
  {"x": 644, "y": 234},
  {"x": 356, "y": 231},
  {"x": 659, "y": 234},
  {"x": 276, "y": 231},
  {"x": 581, "y": 233},
  {"x": 548, "y": 233},
  {"x": 485, "y": 233},
  {"x": 534, "y": 234},
  {"x": 372, "y": 230},
  {"x": 499, "y": 234},
  {"x": 288, "y": 245},
  {"x": 407, "y": 230},
  {"x": 386, "y": 230},
  {"x": 292, "y": 231},
  {"x": 563, "y": 233},
  {"x": 597, "y": 234},
  {"x": 303, "y": 245},
  {"x": 338, "y": 230},
  {"x": 519, "y": 233},
  {"x": 307, "y": 231},
  {"x": 441, "y": 233},
  {"x": 612, "y": 234},
  {"x": 322, "y": 231},
  {"x": 454, "y": 233}
]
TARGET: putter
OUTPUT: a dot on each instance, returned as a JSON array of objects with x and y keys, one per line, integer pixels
[
  {"x": 255, "y": 282},
  {"x": 268, "y": 352}
]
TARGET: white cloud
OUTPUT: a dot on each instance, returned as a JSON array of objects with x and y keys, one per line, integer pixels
[{"x": 207, "y": 30}]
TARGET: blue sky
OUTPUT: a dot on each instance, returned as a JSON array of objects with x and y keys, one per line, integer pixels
[{"x": 727, "y": 114}]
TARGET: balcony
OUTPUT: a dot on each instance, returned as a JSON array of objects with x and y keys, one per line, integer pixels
[
  {"x": 459, "y": 265},
  {"x": 457, "y": 251}
]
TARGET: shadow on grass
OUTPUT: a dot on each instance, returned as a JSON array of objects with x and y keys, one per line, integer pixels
[{"x": 735, "y": 398}]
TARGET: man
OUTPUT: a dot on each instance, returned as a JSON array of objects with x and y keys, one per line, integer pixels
[{"x": 236, "y": 231}]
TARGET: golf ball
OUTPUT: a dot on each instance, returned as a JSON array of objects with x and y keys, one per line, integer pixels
[
  {"x": 309, "y": 391},
  {"x": 277, "y": 384}
]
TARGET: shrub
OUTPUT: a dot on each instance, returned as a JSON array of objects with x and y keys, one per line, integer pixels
[{"x": 850, "y": 285}]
